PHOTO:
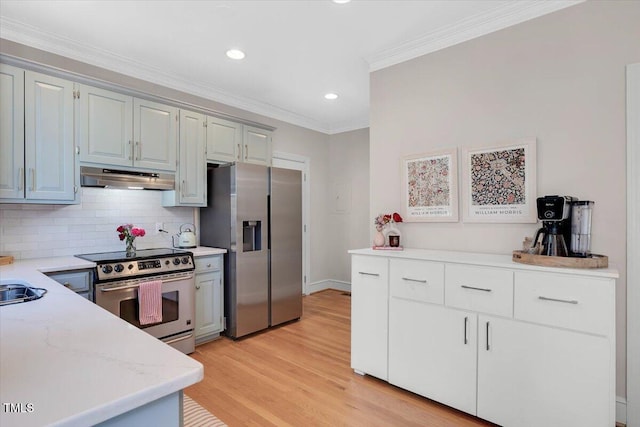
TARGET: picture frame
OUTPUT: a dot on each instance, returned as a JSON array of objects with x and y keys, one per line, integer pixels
[
  {"x": 430, "y": 186},
  {"x": 499, "y": 183}
]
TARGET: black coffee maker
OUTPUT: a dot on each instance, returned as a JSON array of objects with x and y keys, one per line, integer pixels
[{"x": 555, "y": 214}]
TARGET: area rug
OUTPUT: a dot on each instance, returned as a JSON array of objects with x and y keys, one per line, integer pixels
[{"x": 194, "y": 415}]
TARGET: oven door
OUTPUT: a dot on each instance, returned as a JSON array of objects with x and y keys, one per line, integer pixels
[{"x": 178, "y": 307}]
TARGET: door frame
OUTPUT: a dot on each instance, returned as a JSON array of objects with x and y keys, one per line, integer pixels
[
  {"x": 302, "y": 163},
  {"x": 633, "y": 245}
]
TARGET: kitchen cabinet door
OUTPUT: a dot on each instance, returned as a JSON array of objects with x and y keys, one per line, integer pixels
[
  {"x": 105, "y": 125},
  {"x": 533, "y": 375},
  {"x": 224, "y": 140},
  {"x": 257, "y": 146},
  {"x": 155, "y": 135},
  {"x": 432, "y": 352},
  {"x": 192, "y": 167},
  {"x": 208, "y": 304},
  {"x": 369, "y": 315},
  {"x": 49, "y": 140},
  {"x": 11, "y": 132}
]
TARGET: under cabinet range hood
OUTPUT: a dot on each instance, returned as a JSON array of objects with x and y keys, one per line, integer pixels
[{"x": 114, "y": 178}]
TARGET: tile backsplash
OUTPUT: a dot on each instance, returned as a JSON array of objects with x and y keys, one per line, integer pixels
[{"x": 35, "y": 231}]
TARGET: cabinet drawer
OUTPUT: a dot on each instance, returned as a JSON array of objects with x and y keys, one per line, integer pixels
[
  {"x": 77, "y": 281},
  {"x": 581, "y": 303},
  {"x": 484, "y": 289},
  {"x": 208, "y": 263},
  {"x": 417, "y": 280}
]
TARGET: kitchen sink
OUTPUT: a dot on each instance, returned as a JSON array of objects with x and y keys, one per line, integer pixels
[{"x": 13, "y": 292}]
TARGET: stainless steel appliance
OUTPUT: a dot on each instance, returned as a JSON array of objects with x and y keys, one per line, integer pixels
[
  {"x": 255, "y": 212},
  {"x": 118, "y": 276}
]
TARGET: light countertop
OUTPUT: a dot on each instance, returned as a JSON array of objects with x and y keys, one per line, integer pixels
[
  {"x": 490, "y": 260},
  {"x": 205, "y": 250},
  {"x": 73, "y": 363}
]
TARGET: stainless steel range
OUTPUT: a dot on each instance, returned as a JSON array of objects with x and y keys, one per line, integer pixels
[{"x": 117, "y": 277}]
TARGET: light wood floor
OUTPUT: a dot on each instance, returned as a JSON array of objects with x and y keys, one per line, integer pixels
[{"x": 299, "y": 375}]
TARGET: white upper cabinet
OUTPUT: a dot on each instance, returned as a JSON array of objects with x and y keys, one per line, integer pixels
[
  {"x": 154, "y": 128},
  {"x": 49, "y": 144},
  {"x": 257, "y": 146},
  {"x": 191, "y": 185},
  {"x": 224, "y": 140},
  {"x": 119, "y": 130},
  {"x": 228, "y": 142},
  {"x": 105, "y": 126},
  {"x": 11, "y": 132},
  {"x": 36, "y": 140}
]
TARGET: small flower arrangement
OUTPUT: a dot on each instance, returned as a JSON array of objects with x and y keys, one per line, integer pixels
[
  {"x": 128, "y": 233},
  {"x": 383, "y": 219}
]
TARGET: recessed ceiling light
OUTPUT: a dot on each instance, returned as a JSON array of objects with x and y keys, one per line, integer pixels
[
  {"x": 235, "y": 54},
  {"x": 331, "y": 96},
  {"x": 341, "y": 1}
]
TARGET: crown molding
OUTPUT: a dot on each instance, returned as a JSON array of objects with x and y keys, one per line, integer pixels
[
  {"x": 31, "y": 36},
  {"x": 493, "y": 20}
]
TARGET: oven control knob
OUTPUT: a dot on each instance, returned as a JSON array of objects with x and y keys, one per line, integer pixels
[
  {"x": 176, "y": 261},
  {"x": 107, "y": 269},
  {"x": 130, "y": 266},
  {"x": 167, "y": 262},
  {"x": 118, "y": 268},
  {"x": 185, "y": 260}
]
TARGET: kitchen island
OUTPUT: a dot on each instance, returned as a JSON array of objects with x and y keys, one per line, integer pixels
[{"x": 64, "y": 361}]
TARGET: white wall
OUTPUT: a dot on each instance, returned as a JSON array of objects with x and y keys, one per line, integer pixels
[
  {"x": 348, "y": 202},
  {"x": 559, "y": 78}
]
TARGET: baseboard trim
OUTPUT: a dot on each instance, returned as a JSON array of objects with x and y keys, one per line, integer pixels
[
  {"x": 621, "y": 410},
  {"x": 328, "y": 284}
]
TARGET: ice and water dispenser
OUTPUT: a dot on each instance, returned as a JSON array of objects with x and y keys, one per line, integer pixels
[{"x": 251, "y": 236}]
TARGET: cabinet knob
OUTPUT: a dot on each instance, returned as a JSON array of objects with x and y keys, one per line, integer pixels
[
  {"x": 66, "y": 284},
  {"x": 209, "y": 265},
  {"x": 197, "y": 287}
]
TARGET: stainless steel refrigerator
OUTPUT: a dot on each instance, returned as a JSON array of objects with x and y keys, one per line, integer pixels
[{"x": 255, "y": 212}]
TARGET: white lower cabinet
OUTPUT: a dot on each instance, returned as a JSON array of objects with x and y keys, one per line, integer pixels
[
  {"x": 209, "y": 298},
  {"x": 432, "y": 352},
  {"x": 532, "y": 375},
  {"x": 515, "y": 345},
  {"x": 369, "y": 311}
]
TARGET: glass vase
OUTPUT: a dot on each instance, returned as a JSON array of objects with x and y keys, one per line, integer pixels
[{"x": 131, "y": 248}]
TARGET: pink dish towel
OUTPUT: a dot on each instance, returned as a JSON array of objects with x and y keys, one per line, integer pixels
[{"x": 150, "y": 302}]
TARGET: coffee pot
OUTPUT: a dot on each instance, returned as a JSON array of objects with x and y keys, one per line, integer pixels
[{"x": 555, "y": 214}]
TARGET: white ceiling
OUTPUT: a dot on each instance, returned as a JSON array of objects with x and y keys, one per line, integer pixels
[{"x": 296, "y": 50}]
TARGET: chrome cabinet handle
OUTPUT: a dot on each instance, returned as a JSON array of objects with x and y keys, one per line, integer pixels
[
  {"x": 130, "y": 148},
  {"x": 475, "y": 289},
  {"x": 238, "y": 151},
  {"x": 466, "y": 323},
  {"x": 138, "y": 150},
  {"x": 246, "y": 151},
  {"x": 197, "y": 287},
  {"x": 408, "y": 279},
  {"x": 66, "y": 284},
  {"x": 33, "y": 179},
  {"x": 488, "y": 346},
  {"x": 182, "y": 187},
  {"x": 21, "y": 179},
  {"x": 566, "y": 301},
  {"x": 368, "y": 274}
]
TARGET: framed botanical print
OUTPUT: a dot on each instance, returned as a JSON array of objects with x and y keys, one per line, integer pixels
[
  {"x": 430, "y": 187},
  {"x": 499, "y": 183}
]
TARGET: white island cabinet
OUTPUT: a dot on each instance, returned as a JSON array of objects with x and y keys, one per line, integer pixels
[
  {"x": 515, "y": 344},
  {"x": 64, "y": 361}
]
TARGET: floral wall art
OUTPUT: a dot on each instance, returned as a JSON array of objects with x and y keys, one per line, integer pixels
[
  {"x": 499, "y": 183},
  {"x": 430, "y": 187}
]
